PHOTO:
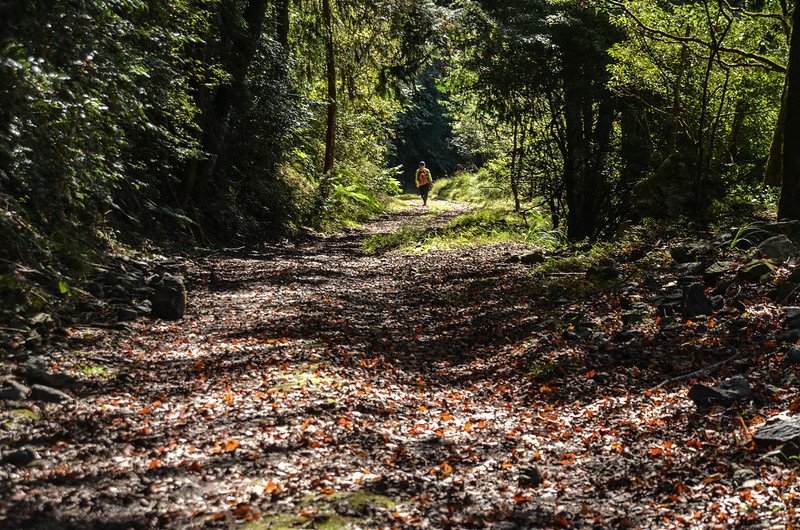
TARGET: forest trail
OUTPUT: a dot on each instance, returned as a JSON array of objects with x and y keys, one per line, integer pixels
[{"x": 314, "y": 386}]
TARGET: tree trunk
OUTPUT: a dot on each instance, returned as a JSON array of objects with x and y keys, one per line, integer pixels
[
  {"x": 330, "y": 64},
  {"x": 789, "y": 206},
  {"x": 773, "y": 174},
  {"x": 282, "y": 23},
  {"x": 575, "y": 161}
]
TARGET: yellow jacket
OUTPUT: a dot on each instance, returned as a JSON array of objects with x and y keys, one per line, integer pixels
[{"x": 423, "y": 177}]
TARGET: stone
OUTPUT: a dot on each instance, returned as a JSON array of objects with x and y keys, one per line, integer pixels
[
  {"x": 530, "y": 477},
  {"x": 778, "y": 248},
  {"x": 743, "y": 475},
  {"x": 42, "y": 320},
  {"x": 691, "y": 268},
  {"x": 692, "y": 252},
  {"x": 794, "y": 354},
  {"x": 20, "y": 457},
  {"x": 778, "y": 430},
  {"x": 533, "y": 258},
  {"x": 791, "y": 229},
  {"x": 96, "y": 289},
  {"x": 33, "y": 340},
  {"x": 11, "y": 390},
  {"x": 724, "y": 394},
  {"x": 578, "y": 333},
  {"x": 696, "y": 302},
  {"x": 785, "y": 291},
  {"x": 125, "y": 314},
  {"x": 602, "y": 273},
  {"x": 169, "y": 299},
  {"x": 749, "y": 236},
  {"x": 32, "y": 372},
  {"x": 755, "y": 270},
  {"x": 790, "y": 335},
  {"x": 791, "y": 318},
  {"x": 631, "y": 318},
  {"x": 48, "y": 394},
  {"x": 629, "y": 335},
  {"x": 716, "y": 270}
]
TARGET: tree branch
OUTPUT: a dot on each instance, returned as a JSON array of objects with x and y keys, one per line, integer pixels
[{"x": 762, "y": 61}]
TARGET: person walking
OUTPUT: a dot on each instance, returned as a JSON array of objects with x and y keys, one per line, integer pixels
[{"x": 424, "y": 182}]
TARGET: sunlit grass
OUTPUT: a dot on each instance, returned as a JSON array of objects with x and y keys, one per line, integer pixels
[{"x": 476, "y": 228}]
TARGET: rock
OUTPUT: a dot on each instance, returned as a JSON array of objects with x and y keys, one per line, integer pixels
[
  {"x": 125, "y": 314},
  {"x": 33, "y": 340},
  {"x": 33, "y": 373},
  {"x": 48, "y": 394},
  {"x": 749, "y": 236},
  {"x": 530, "y": 477},
  {"x": 691, "y": 253},
  {"x": 696, "y": 302},
  {"x": 791, "y": 319},
  {"x": 602, "y": 273},
  {"x": 169, "y": 299},
  {"x": 755, "y": 270},
  {"x": 778, "y": 430},
  {"x": 791, "y": 229},
  {"x": 631, "y": 318},
  {"x": 725, "y": 394},
  {"x": 96, "y": 289},
  {"x": 717, "y": 269},
  {"x": 742, "y": 476},
  {"x": 578, "y": 333},
  {"x": 778, "y": 248},
  {"x": 20, "y": 457},
  {"x": 794, "y": 354},
  {"x": 42, "y": 320},
  {"x": 791, "y": 335},
  {"x": 785, "y": 291},
  {"x": 691, "y": 268},
  {"x": 627, "y": 336},
  {"x": 10, "y": 390},
  {"x": 533, "y": 258}
]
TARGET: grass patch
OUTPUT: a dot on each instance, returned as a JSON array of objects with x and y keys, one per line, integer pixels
[
  {"x": 477, "y": 188},
  {"x": 25, "y": 414},
  {"x": 480, "y": 227},
  {"x": 93, "y": 370},
  {"x": 302, "y": 377},
  {"x": 337, "y": 511}
]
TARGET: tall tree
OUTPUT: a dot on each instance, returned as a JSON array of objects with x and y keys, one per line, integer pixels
[
  {"x": 789, "y": 205},
  {"x": 330, "y": 74}
]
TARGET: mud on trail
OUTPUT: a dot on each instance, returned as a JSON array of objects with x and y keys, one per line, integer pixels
[{"x": 313, "y": 386}]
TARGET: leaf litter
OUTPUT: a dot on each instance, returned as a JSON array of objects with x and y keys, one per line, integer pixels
[{"x": 313, "y": 386}]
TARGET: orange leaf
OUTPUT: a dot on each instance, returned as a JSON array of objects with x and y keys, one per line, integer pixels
[
  {"x": 154, "y": 464},
  {"x": 521, "y": 498},
  {"x": 468, "y": 426},
  {"x": 195, "y": 467},
  {"x": 270, "y": 487},
  {"x": 242, "y": 511},
  {"x": 231, "y": 445},
  {"x": 656, "y": 451}
]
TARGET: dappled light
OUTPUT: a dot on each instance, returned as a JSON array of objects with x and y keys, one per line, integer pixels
[{"x": 399, "y": 264}]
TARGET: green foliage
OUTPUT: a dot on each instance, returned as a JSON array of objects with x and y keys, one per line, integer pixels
[{"x": 483, "y": 226}]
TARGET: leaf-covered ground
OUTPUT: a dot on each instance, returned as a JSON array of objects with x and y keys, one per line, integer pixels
[{"x": 314, "y": 386}]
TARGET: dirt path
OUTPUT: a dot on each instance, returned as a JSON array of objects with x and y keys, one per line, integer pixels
[{"x": 312, "y": 386}]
